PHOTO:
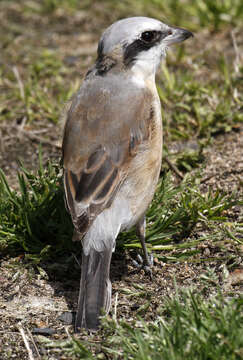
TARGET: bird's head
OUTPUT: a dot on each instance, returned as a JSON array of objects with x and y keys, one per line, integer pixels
[{"x": 139, "y": 43}]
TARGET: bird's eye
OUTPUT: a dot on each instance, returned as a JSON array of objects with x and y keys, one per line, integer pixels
[{"x": 148, "y": 36}]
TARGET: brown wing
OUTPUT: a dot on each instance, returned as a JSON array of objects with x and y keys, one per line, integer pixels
[{"x": 103, "y": 131}]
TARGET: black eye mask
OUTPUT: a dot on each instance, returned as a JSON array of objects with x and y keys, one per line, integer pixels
[{"x": 146, "y": 40}]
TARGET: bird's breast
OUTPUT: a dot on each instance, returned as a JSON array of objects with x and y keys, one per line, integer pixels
[{"x": 144, "y": 169}]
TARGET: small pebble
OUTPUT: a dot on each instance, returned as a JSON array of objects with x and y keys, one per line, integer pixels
[{"x": 67, "y": 317}]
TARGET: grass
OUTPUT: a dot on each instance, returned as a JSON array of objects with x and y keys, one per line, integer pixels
[
  {"x": 31, "y": 217},
  {"x": 199, "y": 100},
  {"x": 193, "y": 105},
  {"x": 34, "y": 219},
  {"x": 200, "y": 14},
  {"x": 193, "y": 109},
  {"x": 187, "y": 327},
  {"x": 200, "y": 87}
]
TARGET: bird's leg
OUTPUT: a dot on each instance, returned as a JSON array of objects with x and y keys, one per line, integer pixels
[
  {"x": 147, "y": 260},
  {"x": 141, "y": 230}
]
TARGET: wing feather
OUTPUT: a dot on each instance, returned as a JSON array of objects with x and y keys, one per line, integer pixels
[{"x": 101, "y": 136}]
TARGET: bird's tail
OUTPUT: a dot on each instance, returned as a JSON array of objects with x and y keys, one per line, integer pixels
[{"x": 95, "y": 288}]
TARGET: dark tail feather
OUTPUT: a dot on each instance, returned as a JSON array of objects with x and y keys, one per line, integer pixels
[{"x": 95, "y": 289}]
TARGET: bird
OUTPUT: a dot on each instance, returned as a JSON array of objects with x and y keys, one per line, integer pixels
[{"x": 112, "y": 151}]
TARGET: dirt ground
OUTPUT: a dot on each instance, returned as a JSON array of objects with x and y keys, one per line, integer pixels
[
  {"x": 46, "y": 296},
  {"x": 42, "y": 297}
]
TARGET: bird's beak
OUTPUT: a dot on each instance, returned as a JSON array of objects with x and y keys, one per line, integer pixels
[{"x": 177, "y": 35}]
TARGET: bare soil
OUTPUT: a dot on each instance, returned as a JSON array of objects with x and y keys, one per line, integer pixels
[{"x": 36, "y": 296}]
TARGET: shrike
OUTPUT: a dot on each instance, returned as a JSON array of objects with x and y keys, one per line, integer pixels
[{"x": 112, "y": 149}]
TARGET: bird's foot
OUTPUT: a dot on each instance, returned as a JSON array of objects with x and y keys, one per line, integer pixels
[{"x": 144, "y": 264}]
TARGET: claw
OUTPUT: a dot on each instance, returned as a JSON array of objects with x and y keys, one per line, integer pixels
[
  {"x": 139, "y": 258},
  {"x": 144, "y": 264},
  {"x": 136, "y": 264},
  {"x": 148, "y": 271},
  {"x": 151, "y": 259}
]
